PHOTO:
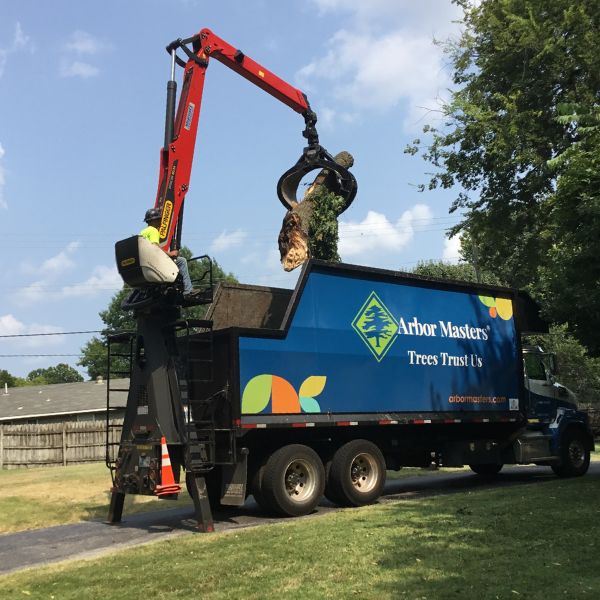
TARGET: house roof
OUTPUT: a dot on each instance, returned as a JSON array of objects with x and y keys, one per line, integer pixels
[{"x": 59, "y": 399}]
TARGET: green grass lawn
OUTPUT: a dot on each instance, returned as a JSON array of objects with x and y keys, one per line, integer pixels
[
  {"x": 31, "y": 498},
  {"x": 534, "y": 541}
]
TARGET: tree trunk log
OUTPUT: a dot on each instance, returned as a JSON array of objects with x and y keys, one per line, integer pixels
[{"x": 294, "y": 234}]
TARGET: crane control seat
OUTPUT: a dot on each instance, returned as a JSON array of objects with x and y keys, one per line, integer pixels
[{"x": 141, "y": 263}]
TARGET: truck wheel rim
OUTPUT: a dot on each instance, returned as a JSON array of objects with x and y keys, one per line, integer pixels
[
  {"x": 576, "y": 453},
  {"x": 300, "y": 480},
  {"x": 364, "y": 473}
]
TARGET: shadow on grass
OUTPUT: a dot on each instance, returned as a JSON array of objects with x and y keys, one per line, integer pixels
[
  {"x": 155, "y": 515},
  {"x": 162, "y": 515},
  {"x": 139, "y": 508},
  {"x": 450, "y": 482},
  {"x": 532, "y": 541}
]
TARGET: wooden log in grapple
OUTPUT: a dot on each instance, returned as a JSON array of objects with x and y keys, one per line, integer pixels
[{"x": 294, "y": 243}]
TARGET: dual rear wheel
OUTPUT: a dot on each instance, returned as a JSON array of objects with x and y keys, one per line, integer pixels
[
  {"x": 355, "y": 474},
  {"x": 290, "y": 482},
  {"x": 293, "y": 479}
]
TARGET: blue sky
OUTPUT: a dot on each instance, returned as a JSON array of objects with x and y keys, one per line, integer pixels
[{"x": 82, "y": 94}]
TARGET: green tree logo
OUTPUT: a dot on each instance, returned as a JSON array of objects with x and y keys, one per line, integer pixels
[{"x": 376, "y": 326}]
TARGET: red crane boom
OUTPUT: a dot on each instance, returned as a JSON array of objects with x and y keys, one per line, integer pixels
[{"x": 181, "y": 128}]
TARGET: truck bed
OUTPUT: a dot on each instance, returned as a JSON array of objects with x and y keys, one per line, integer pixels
[{"x": 360, "y": 346}]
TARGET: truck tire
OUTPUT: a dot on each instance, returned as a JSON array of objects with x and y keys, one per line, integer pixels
[
  {"x": 357, "y": 474},
  {"x": 487, "y": 469},
  {"x": 329, "y": 490},
  {"x": 256, "y": 488},
  {"x": 574, "y": 456},
  {"x": 292, "y": 481}
]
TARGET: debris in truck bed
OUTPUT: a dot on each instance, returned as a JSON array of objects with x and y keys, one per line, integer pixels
[{"x": 310, "y": 229}]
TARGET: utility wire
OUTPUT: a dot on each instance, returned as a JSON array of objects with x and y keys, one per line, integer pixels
[
  {"x": 31, "y": 355},
  {"x": 17, "y": 335}
]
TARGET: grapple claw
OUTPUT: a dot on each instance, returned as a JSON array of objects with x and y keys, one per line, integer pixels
[{"x": 343, "y": 184}]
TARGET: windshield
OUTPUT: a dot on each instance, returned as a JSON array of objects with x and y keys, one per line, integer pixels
[{"x": 536, "y": 366}]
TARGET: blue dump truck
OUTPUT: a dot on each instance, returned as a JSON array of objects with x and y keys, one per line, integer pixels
[{"x": 292, "y": 395}]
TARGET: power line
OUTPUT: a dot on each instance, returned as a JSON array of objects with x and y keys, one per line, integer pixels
[
  {"x": 101, "y": 238},
  {"x": 417, "y": 224},
  {"x": 18, "y": 335},
  {"x": 35, "y": 355}
]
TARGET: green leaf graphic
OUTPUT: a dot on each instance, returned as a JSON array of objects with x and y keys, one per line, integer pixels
[
  {"x": 257, "y": 394},
  {"x": 488, "y": 301}
]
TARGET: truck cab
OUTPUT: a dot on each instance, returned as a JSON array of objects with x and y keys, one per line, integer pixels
[
  {"x": 544, "y": 392},
  {"x": 552, "y": 415}
]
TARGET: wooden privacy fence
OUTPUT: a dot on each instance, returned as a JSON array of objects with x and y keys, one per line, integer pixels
[
  {"x": 71, "y": 443},
  {"x": 55, "y": 443}
]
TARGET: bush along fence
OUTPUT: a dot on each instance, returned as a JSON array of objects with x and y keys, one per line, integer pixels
[{"x": 59, "y": 444}]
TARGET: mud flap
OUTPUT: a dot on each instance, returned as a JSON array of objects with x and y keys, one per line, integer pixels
[{"x": 234, "y": 479}]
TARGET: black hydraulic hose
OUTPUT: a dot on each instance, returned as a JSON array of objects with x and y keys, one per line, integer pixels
[{"x": 170, "y": 110}]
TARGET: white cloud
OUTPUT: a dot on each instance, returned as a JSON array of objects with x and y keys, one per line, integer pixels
[
  {"x": 329, "y": 116},
  {"x": 435, "y": 17},
  {"x": 226, "y": 240},
  {"x": 34, "y": 292},
  {"x": 77, "y": 68},
  {"x": 51, "y": 267},
  {"x": 82, "y": 42},
  {"x": 102, "y": 279},
  {"x": 10, "y": 325},
  {"x": 3, "y": 203},
  {"x": 61, "y": 262},
  {"x": 384, "y": 57},
  {"x": 452, "y": 248},
  {"x": 47, "y": 288},
  {"x": 19, "y": 41},
  {"x": 375, "y": 233},
  {"x": 360, "y": 77},
  {"x": 78, "y": 45}
]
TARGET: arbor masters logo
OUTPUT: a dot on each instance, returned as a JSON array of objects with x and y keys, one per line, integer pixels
[{"x": 376, "y": 326}]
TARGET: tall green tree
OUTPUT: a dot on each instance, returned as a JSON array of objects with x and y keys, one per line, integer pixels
[
  {"x": 458, "y": 272},
  {"x": 7, "y": 378},
  {"x": 515, "y": 65},
  {"x": 569, "y": 279},
  {"x": 576, "y": 369},
  {"x": 61, "y": 373},
  {"x": 94, "y": 357}
]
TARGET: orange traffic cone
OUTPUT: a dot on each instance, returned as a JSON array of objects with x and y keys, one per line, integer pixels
[{"x": 168, "y": 485}]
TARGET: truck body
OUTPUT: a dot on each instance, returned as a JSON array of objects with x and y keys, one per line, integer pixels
[{"x": 355, "y": 372}]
